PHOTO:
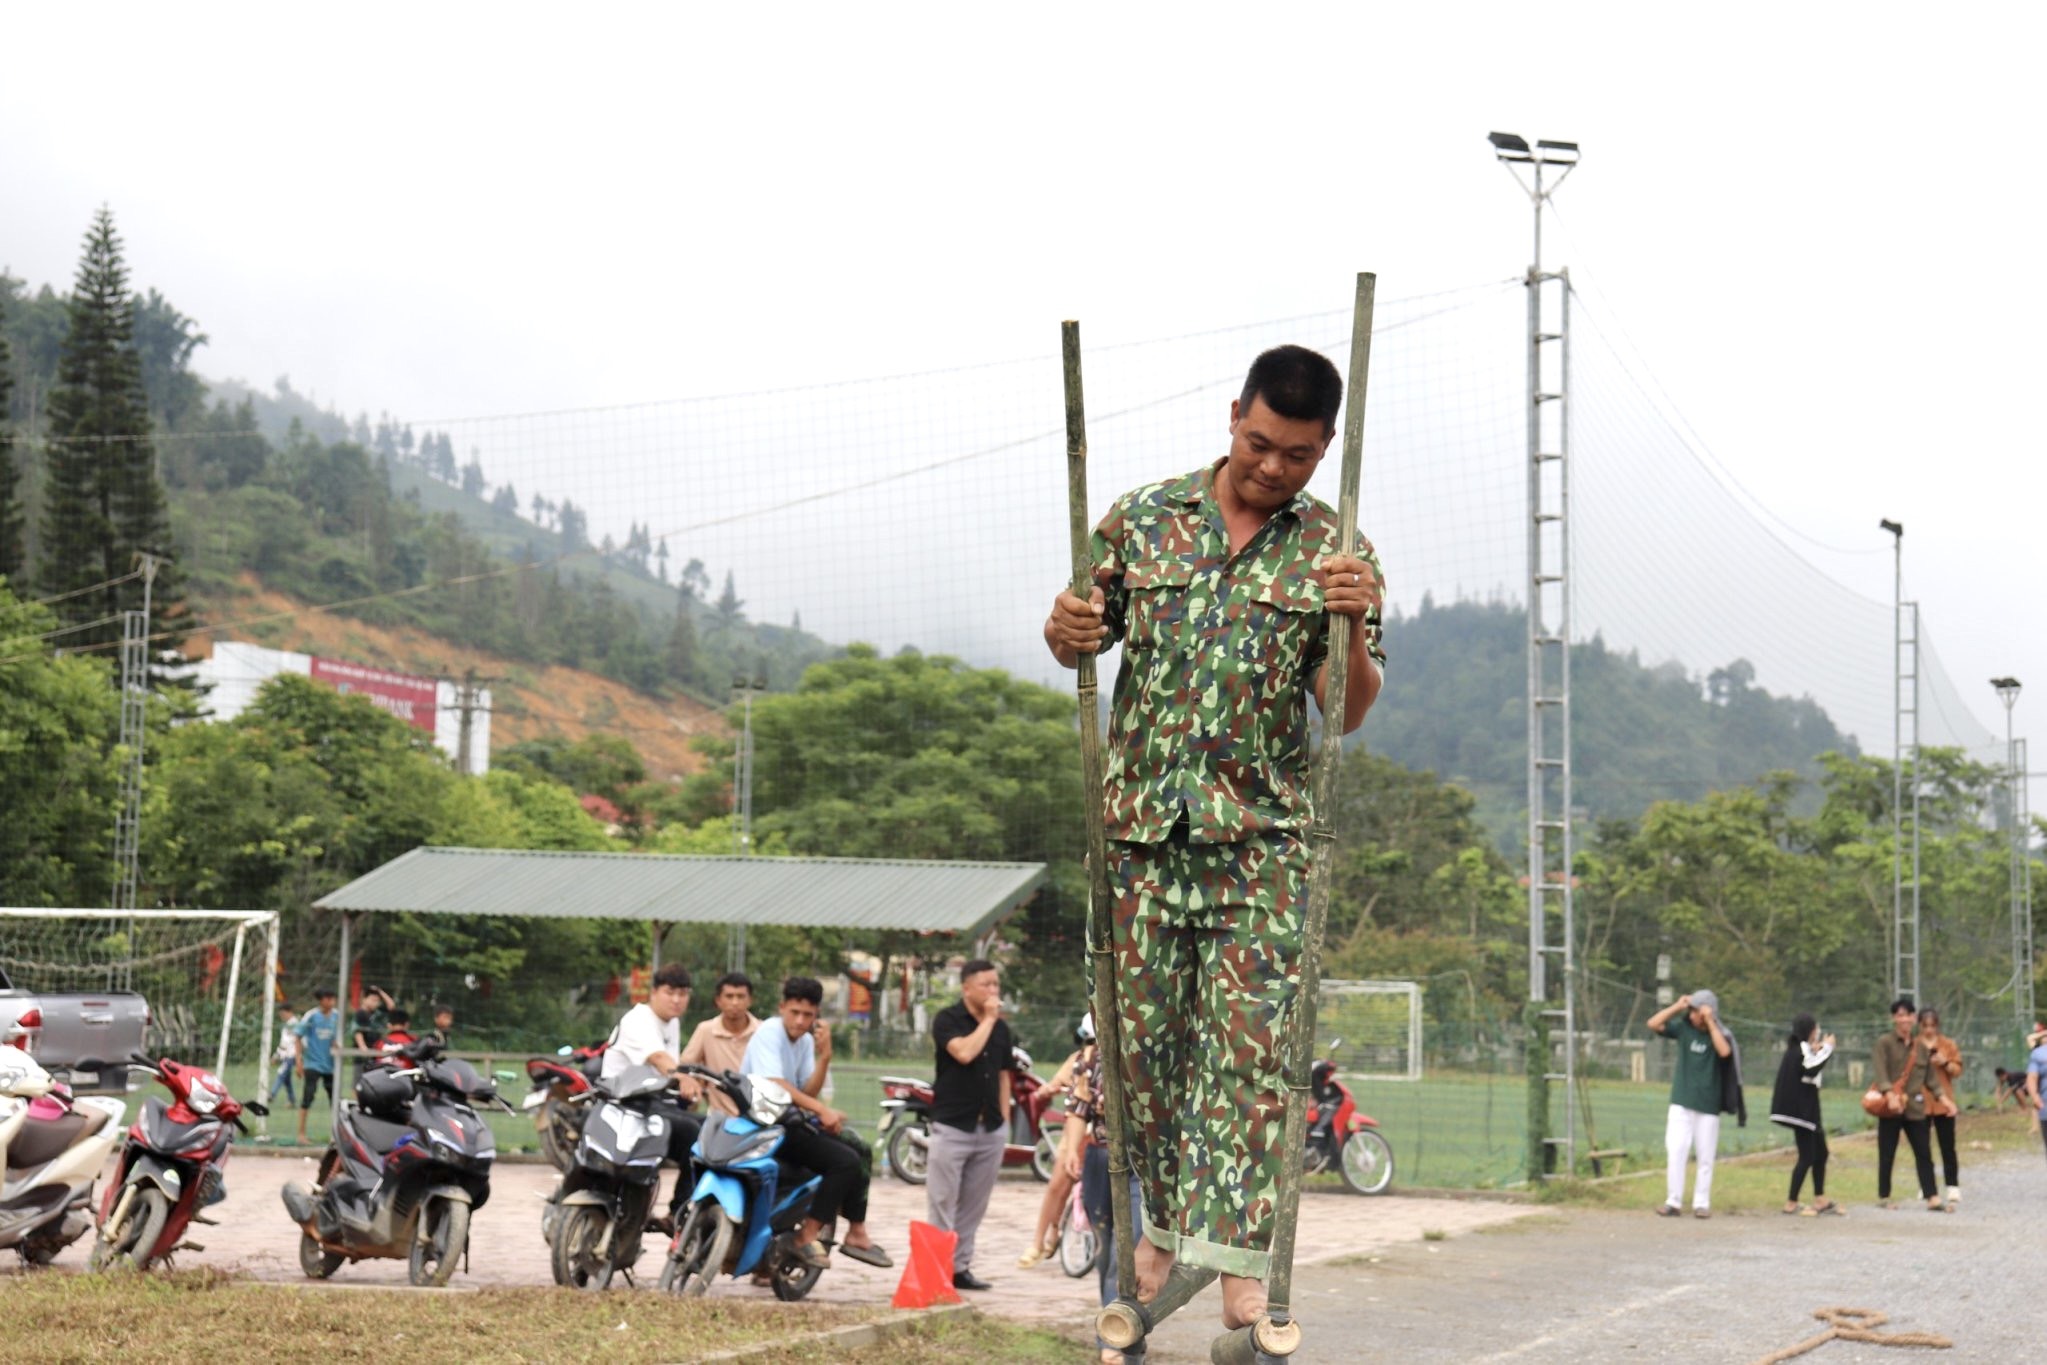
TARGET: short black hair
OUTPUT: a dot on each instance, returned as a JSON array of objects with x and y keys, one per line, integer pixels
[
  {"x": 440, "y": 1010},
  {"x": 1904, "y": 1002},
  {"x": 974, "y": 967},
  {"x": 739, "y": 979},
  {"x": 324, "y": 993},
  {"x": 674, "y": 975},
  {"x": 1802, "y": 1027},
  {"x": 398, "y": 1017},
  {"x": 1294, "y": 382},
  {"x": 805, "y": 988}
]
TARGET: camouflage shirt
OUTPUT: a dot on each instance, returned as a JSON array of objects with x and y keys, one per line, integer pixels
[{"x": 1220, "y": 654}]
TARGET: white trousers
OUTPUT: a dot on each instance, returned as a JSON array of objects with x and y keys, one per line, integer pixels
[{"x": 1690, "y": 1131}]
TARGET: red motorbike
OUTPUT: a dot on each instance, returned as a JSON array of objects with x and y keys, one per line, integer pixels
[
  {"x": 905, "y": 1126},
  {"x": 1343, "y": 1136},
  {"x": 172, "y": 1165},
  {"x": 563, "y": 1086}
]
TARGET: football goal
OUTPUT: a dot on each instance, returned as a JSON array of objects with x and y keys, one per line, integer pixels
[{"x": 1375, "y": 1028}]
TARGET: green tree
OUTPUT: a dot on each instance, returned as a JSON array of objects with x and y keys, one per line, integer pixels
[
  {"x": 58, "y": 719},
  {"x": 164, "y": 342},
  {"x": 104, "y": 500},
  {"x": 11, "y": 546}
]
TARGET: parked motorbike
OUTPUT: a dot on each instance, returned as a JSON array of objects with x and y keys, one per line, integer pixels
[
  {"x": 172, "y": 1166},
  {"x": 906, "y": 1122},
  {"x": 52, "y": 1147},
  {"x": 599, "y": 1209},
  {"x": 743, "y": 1211},
  {"x": 1342, "y": 1135},
  {"x": 409, "y": 1162},
  {"x": 558, "y": 1102}
]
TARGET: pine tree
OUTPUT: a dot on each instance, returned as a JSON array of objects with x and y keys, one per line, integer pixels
[
  {"x": 682, "y": 640},
  {"x": 11, "y": 548},
  {"x": 729, "y": 601},
  {"x": 105, "y": 500}
]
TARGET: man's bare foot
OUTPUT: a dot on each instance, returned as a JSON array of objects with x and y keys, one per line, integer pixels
[
  {"x": 1153, "y": 1265},
  {"x": 856, "y": 1236},
  {"x": 1243, "y": 1301}
]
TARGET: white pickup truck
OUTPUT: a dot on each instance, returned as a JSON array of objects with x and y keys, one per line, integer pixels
[{"x": 61, "y": 1030}]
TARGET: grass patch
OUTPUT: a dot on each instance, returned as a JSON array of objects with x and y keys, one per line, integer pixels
[
  {"x": 1435, "y": 1235},
  {"x": 1758, "y": 1184},
  {"x": 201, "y": 1313}
]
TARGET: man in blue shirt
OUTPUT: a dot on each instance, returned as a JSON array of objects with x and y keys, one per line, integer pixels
[
  {"x": 2036, "y": 1077},
  {"x": 316, "y": 1054},
  {"x": 796, "y": 1050}
]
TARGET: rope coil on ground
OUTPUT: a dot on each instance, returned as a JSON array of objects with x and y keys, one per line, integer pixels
[{"x": 1856, "y": 1324}]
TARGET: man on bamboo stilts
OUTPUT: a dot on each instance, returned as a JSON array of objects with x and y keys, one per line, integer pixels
[{"x": 1218, "y": 585}]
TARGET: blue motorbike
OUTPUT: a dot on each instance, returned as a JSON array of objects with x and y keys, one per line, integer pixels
[{"x": 747, "y": 1202}]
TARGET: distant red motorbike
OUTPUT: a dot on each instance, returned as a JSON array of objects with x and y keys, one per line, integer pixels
[
  {"x": 905, "y": 1125},
  {"x": 1341, "y": 1135},
  {"x": 172, "y": 1165},
  {"x": 563, "y": 1086}
]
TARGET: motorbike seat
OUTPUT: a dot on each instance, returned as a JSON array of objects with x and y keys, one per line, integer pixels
[
  {"x": 42, "y": 1140},
  {"x": 381, "y": 1134}
]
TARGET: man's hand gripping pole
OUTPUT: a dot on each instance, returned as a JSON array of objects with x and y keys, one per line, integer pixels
[{"x": 1276, "y": 1335}]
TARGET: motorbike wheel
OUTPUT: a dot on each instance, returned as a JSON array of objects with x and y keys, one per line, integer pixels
[
  {"x": 133, "y": 1242},
  {"x": 1078, "y": 1246},
  {"x": 1367, "y": 1162},
  {"x": 1044, "y": 1157},
  {"x": 793, "y": 1280},
  {"x": 699, "y": 1252},
  {"x": 316, "y": 1260},
  {"x": 576, "y": 1239},
  {"x": 447, "y": 1237},
  {"x": 554, "y": 1143},
  {"x": 909, "y": 1160}
]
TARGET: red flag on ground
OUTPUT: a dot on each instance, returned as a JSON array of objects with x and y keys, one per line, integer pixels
[{"x": 927, "y": 1276}]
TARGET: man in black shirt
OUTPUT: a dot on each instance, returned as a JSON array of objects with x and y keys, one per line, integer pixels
[{"x": 969, "y": 1112}]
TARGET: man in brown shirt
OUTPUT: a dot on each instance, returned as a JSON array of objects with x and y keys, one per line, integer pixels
[
  {"x": 720, "y": 1041},
  {"x": 1901, "y": 1056}
]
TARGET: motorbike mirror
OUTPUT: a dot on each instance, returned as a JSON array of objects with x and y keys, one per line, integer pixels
[{"x": 258, "y": 1108}]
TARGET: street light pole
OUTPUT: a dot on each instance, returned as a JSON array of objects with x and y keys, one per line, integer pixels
[{"x": 2021, "y": 898}]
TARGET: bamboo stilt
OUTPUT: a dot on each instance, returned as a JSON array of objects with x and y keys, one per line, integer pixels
[
  {"x": 1108, "y": 1028},
  {"x": 1300, "y": 1039}
]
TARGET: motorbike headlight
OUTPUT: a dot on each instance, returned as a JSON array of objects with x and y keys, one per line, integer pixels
[{"x": 202, "y": 1099}]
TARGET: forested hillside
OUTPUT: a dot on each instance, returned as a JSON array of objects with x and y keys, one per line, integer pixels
[{"x": 1457, "y": 674}]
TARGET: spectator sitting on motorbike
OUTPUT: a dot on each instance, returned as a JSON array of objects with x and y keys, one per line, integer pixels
[
  {"x": 796, "y": 1049},
  {"x": 444, "y": 1025},
  {"x": 651, "y": 1035},
  {"x": 368, "y": 1034},
  {"x": 720, "y": 1041}
]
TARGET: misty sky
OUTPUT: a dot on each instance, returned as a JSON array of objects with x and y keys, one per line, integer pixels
[{"x": 1817, "y": 225}]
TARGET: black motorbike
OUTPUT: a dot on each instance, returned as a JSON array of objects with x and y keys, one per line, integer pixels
[
  {"x": 599, "y": 1210},
  {"x": 409, "y": 1162}
]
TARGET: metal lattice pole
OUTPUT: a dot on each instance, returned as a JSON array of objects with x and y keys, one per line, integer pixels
[
  {"x": 134, "y": 731},
  {"x": 1552, "y": 957},
  {"x": 2020, "y": 887},
  {"x": 1904, "y": 776}
]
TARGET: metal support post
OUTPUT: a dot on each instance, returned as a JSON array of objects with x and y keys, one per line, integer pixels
[
  {"x": 1552, "y": 932},
  {"x": 742, "y": 802}
]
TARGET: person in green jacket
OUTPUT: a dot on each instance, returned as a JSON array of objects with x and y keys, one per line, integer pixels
[
  {"x": 1902, "y": 1057},
  {"x": 1693, "y": 1023}
]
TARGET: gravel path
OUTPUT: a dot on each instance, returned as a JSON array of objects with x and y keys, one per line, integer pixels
[{"x": 1604, "y": 1286}]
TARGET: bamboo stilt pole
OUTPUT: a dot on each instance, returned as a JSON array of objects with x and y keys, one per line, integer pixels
[
  {"x": 1108, "y": 1028},
  {"x": 1300, "y": 1039}
]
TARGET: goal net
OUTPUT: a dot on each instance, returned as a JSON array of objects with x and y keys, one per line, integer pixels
[
  {"x": 199, "y": 971},
  {"x": 1374, "y": 1027}
]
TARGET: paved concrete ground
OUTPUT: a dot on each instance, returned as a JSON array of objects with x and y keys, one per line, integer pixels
[
  {"x": 1626, "y": 1286},
  {"x": 256, "y": 1236}
]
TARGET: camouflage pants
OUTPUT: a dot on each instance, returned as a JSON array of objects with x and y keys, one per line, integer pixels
[{"x": 1207, "y": 942}]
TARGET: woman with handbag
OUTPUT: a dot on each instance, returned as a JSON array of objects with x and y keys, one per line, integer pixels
[
  {"x": 1941, "y": 1108},
  {"x": 1897, "y": 1095},
  {"x": 1795, "y": 1104}
]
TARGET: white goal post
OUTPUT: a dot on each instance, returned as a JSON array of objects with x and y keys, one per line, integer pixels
[
  {"x": 180, "y": 961},
  {"x": 1375, "y": 1028}
]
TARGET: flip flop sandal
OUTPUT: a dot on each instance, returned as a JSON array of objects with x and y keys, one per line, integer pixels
[
  {"x": 1829, "y": 1211},
  {"x": 1802, "y": 1211},
  {"x": 873, "y": 1256},
  {"x": 812, "y": 1255},
  {"x": 1670, "y": 1211}
]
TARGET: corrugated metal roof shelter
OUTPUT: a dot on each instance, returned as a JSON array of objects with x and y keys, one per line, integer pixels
[{"x": 845, "y": 893}]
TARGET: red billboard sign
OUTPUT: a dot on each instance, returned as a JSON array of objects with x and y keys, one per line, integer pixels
[{"x": 410, "y": 699}]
